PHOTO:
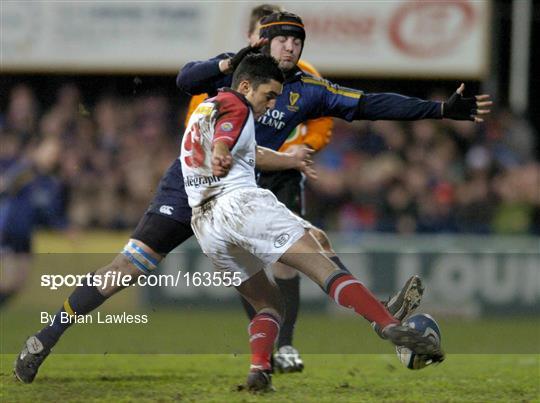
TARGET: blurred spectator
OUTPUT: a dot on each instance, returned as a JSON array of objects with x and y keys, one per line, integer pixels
[
  {"x": 424, "y": 176},
  {"x": 429, "y": 176},
  {"x": 22, "y": 113},
  {"x": 113, "y": 153}
]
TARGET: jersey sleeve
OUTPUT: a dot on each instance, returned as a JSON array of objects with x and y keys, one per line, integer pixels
[
  {"x": 349, "y": 104},
  {"x": 203, "y": 76},
  {"x": 388, "y": 106},
  {"x": 318, "y": 132},
  {"x": 232, "y": 117},
  {"x": 195, "y": 101},
  {"x": 314, "y": 133},
  {"x": 330, "y": 99}
]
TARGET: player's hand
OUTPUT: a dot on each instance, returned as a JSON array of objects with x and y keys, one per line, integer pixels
[
  {"x": 301, "y": 153},
  {"x": 221, "y": 165},
  {"x": 309, "y": 171},
  {"x": 255, "y": 48},
  {"x": 303, "y": 157},
  {"x": 460, "y": 108}
]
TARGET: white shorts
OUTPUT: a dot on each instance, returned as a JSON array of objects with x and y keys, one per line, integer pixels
[{"x": 246, "y": 230}]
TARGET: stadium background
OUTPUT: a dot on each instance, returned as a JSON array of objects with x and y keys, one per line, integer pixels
[{"x": 460, "y": 203}]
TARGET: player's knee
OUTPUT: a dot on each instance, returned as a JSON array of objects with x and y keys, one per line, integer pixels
[
  {"x": 322, "y": 239},
  {"x": 283, "y": 271},
  {"x": 138, "y": 258},
  {"x": 121, "y": 264}
]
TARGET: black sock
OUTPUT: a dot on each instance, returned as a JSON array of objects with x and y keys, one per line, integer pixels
[
  {"x": 290, "y": 291},
  {"x": 82, "y": 300},
  {"x": 339, "y": 263},
  {"x": 248, "y": 308}
]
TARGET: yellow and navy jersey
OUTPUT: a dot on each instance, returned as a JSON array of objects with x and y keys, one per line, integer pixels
[
  {"x": 306, "y": 97},
  {"x": 315, "y": 132}
]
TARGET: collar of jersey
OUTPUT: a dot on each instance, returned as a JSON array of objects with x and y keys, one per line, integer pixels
[
  {"x": 240, "y": 96},
  {"x": 293, "y": 75}
]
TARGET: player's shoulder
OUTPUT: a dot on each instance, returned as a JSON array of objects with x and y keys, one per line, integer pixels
[
  {"x": 314, "y": 81},
  {"x": 307, "y": 67},
  {"x": 227, "y": 100},
  {"x": 321, "y": 85}
]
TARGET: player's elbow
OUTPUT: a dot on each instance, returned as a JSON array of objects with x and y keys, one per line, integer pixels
[
  {"x": 186, "y": 81},
  {"x": 183, "y": 82}
]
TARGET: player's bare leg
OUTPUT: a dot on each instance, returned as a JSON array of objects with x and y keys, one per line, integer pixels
[
  {"x": 287, "y": 358},
  {"x": 265, "y": 298},
  {"x": 401, "y": 304},
  {"x": 322, "y": 239},
  {"x": 84, "y": 299},
  {"x": 348, "y": 292}
]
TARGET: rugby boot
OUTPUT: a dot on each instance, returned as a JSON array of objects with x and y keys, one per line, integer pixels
[
  {"x": 404, "y": 302},
  {"x": 412, "y": 339},
  {"x": 287, "y": 359},
  {"x": 30, "y": 359},
  {"x": 259, "y": 381}
]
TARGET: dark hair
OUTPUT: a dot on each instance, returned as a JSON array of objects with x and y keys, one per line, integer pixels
[
  {"x": 257, "y": 69},
  {"x": 259, "y": 12}
]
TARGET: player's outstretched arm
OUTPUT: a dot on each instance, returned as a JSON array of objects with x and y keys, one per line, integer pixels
[
  {"x": 221, "y": 159},
  {"x": 209, "y": 75},
  {"x": 297, "y": 157},
  {"x": 388, "y": 106},
  {"x": 203, "y": 76},
  {"x": 460, "y": 108}
]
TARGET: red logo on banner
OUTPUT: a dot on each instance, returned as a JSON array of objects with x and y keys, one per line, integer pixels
[{"x": 426, "y": 29}]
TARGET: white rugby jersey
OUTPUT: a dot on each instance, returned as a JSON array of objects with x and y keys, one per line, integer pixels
[{"x": 226, "y": 117}]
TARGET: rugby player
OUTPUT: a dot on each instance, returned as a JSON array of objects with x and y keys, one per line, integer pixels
[
  {"x": 166, "y": 223},
  {"x": 244, "y": 228},
  {"x": 159, "y": 231},
  {"x": 288, "y": 187},
  {"x": 306, "y": 97},
  {"x": 30, "y": 196}
]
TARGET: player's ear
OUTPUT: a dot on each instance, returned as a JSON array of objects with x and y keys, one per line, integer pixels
[{"x": 244, "y": 87}]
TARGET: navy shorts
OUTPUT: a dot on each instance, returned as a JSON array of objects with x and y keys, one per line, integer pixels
[
  {"x": 167, "y": 222},
  {"x": 171, "y": 199}
]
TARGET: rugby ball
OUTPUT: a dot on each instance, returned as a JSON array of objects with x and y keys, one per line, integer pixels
[{"x": 426, "y": 325}]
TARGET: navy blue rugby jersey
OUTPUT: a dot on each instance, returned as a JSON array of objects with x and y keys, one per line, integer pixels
[{"x": 307, "y": 97}]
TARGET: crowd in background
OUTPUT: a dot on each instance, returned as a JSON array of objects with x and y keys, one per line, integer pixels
[
  {"x": 112, "y": 154},
  {"x": 416, "y": 177},
  {"x": 429, "y": 176}
]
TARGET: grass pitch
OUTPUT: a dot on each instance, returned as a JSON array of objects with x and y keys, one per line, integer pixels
[
  {"x": 327, "y": 378},
  {"x": 201, "y": 356},
  {"x": 76, "y": 372}
]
